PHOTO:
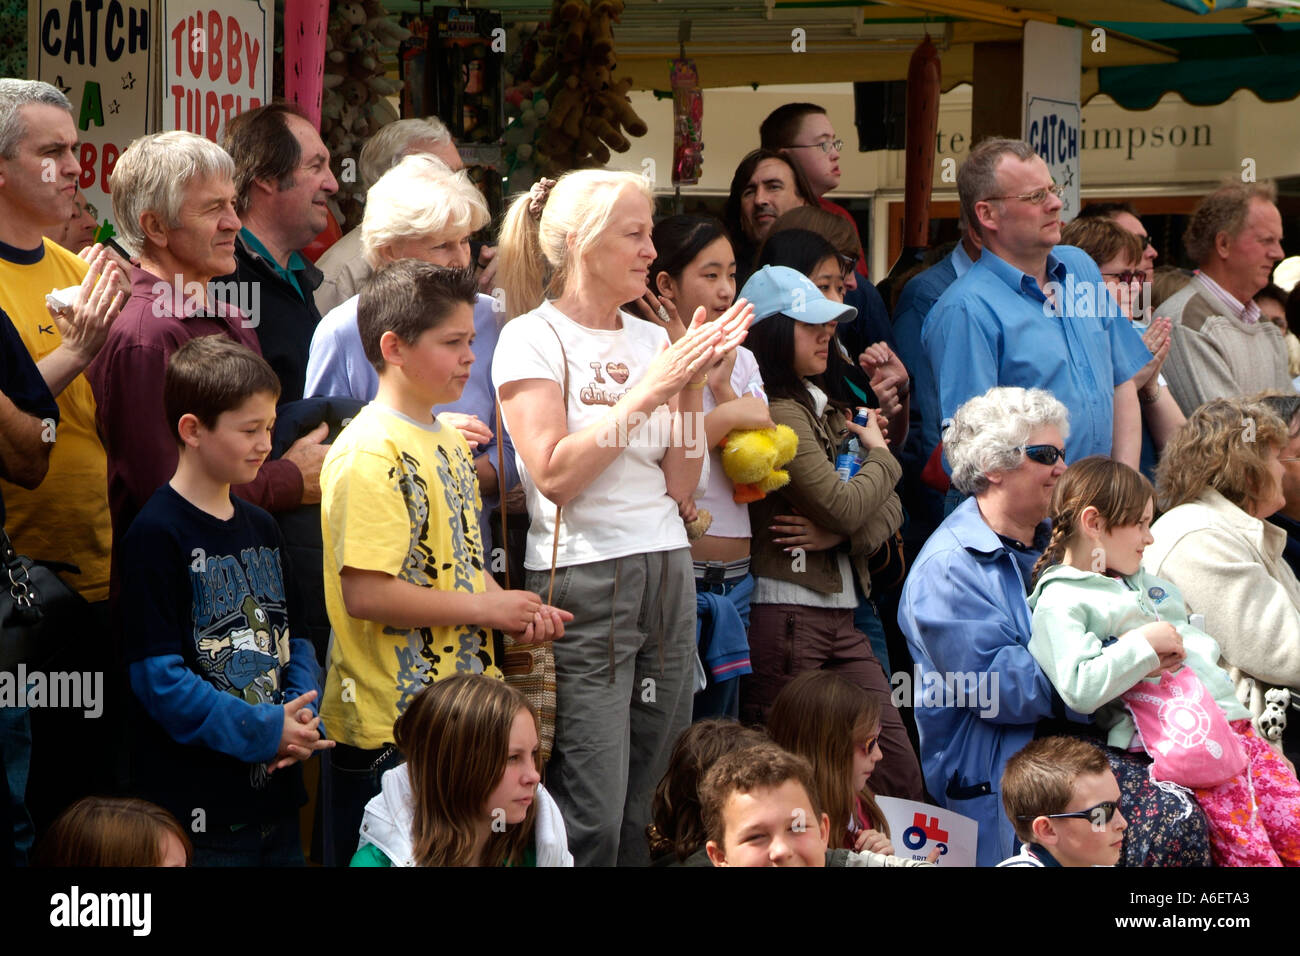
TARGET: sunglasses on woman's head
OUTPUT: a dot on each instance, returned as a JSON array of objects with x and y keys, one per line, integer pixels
[
  {"x": 1099, "y": 815},
  {"x": 1044, "y": 454}
]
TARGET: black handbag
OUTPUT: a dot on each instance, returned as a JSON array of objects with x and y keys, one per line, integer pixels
[
  {"x": 888, "y": 565},
  {"x": 39, "y": 614}
]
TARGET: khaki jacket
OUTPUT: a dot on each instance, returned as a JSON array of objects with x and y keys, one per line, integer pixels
[{"x": 865, "y": 508}]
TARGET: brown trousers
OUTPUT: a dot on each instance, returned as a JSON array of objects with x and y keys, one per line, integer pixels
[{"x": 787, "y": 639}]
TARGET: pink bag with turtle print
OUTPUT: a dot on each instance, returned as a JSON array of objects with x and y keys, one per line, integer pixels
[{"x": 1185, "y": 731}]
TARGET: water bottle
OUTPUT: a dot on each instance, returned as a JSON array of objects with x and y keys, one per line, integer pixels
[{"x": 850, "y": 457}]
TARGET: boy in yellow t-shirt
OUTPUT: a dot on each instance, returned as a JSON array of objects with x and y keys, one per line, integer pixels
[{"x": 405, "y": 587}]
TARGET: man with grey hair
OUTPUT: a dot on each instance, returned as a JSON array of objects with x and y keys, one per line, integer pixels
[
  {"x": 66, "y": 518},
  {"x": 1032, "y": 312},
  {"x": 174, "y": 201},
  {"x": 344, "y": 266},
  {"x": 1220, "y": 347}
]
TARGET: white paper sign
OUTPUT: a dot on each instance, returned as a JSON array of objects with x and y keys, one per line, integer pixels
[
  {"x": 1052, "y": 119},
  {"x": 216, "y": 60},
  {"x": 98, "y": 54},
  {"x": 1052, "y": 129},
  {"x": 916, "y": 829}
]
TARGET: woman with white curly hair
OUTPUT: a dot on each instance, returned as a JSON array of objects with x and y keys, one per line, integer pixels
[{"x": 967, "y": 623}]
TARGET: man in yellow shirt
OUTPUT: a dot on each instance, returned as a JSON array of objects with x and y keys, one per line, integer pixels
[{"x": 66, "y": 518}]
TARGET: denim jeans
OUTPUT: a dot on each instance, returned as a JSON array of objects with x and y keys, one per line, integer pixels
[
  {"x": 867, "y": 620},
  {"x": 16, "y": 750},
  {"x": 350, "y": 777},
  {"x": 722, "y": 699},
  {"x": 256, "y": 844}
]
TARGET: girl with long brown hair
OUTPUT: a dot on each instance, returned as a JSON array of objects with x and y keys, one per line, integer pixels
[
  {"x": 835, "y": 724},
  {"x": 469, "y": 793}
]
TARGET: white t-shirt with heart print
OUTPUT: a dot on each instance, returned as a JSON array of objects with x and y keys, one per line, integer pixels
[{"x": 626, "y": 508}]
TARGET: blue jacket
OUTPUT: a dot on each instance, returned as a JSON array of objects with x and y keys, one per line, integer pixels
[{"x": 964, "y": 612}]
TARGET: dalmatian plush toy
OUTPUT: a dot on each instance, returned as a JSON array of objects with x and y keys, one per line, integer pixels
[{"x": 1272, "y": 721}]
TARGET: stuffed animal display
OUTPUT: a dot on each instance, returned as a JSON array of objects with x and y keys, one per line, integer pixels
[
  {"x": 753, "y": 459},
  {"x": 354, "y": 103},
  {"x": 587, "y": 110}
]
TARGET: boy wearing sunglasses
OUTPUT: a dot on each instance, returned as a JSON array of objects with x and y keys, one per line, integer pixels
[{"x": 1063, "y": 801}]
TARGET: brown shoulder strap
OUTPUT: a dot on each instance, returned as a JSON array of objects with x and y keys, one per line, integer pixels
[
  {"x": 564, "y": 389},
  {"x": 501, "y": 487}
]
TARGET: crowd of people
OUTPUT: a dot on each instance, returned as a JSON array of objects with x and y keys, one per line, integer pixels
[{"x": 427, "y": 522}]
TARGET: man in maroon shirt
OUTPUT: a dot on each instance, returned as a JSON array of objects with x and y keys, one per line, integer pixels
[{"x": 174, "y": 204}]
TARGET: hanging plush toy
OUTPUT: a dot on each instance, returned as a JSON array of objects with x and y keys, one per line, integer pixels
[
  {"x": 688, "y": 115},
  {"x": 753, "y": 459},
  {"x": 589, "y": 109}
]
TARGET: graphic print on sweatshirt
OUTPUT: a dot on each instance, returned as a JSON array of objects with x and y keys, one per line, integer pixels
[
  {"x": 239, "y": 623},
  {"x": 426, "y": 655}
]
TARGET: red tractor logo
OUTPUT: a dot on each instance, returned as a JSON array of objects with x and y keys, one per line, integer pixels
[{"x": 921, "y": 831}]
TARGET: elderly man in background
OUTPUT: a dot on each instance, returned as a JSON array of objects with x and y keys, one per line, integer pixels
[
  {"x": 174, "y": 202},
  {"x": 282, "y": 183},
  {"x": 421, "y": 209},
  {"x": 77, "y": 232},
  {"x": 1220, "y": 348},
  {"x": 344, "y": 266}
]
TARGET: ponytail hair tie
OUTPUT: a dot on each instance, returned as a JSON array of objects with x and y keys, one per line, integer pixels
[{"x": 538, "y": 195}]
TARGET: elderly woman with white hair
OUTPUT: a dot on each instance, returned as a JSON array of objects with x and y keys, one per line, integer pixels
[
  {"x": 979, "y": 694},
  {"x": 589, "y": 394},
  {"x": 421, "y": 209},
  {"x": 343, "y": 265}
]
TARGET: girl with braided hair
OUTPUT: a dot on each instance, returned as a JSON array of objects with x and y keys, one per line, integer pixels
[{"x": 1111, "y": 637}]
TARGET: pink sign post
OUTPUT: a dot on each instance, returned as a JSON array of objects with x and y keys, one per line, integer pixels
[{"x": 304, "y": 54}]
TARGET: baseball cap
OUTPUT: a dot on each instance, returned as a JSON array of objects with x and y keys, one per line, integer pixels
[{"x": 774, "y": 289}]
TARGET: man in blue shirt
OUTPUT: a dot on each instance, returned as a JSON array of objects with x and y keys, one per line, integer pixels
[
  {"x": 923, "y": 504},
  {"x": 1033, "y": 313}
]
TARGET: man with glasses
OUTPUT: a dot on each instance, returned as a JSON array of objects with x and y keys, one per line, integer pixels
[
  {"x": 1022, "y": 315},
  {"x": 1220, "y": 348},
  {"x": 283, "y": 182},
  {"x": 804, "y": 132}
]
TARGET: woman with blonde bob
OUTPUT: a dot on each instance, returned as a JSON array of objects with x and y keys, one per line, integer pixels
[
  {"x": 420, "y": 209},
  {"x": 1220, "y": 479},
  {"x": 469, "y": 793},
  {"x": 606, "y": 417}
]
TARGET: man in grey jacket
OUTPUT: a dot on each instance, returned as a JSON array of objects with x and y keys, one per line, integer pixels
[{"x": 1220, "y": 348}]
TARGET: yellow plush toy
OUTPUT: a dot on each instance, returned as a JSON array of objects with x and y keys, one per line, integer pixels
[{"x": 753, "y": 457}]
